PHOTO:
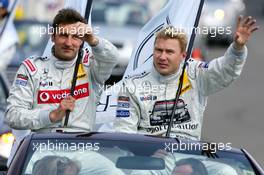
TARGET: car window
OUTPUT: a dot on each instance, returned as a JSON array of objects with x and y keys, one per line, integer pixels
[{"x": 125, "y": 158}]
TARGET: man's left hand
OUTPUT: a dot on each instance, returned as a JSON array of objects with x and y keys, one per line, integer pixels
[
  {"x": 86, "y": 32},
  {"x": 245, "y": 27}
]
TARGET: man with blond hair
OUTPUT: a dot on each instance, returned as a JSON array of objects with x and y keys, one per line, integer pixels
[{"x": 145, "y": 102}]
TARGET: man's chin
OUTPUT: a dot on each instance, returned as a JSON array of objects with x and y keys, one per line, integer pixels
[
  {"x": 67, "y": 57},
  {"x": 163, "y": 72}
]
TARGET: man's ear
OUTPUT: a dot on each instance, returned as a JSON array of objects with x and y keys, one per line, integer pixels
[
  {"x": 184, "y": 54},
  {"x": 52, "y": 37}
]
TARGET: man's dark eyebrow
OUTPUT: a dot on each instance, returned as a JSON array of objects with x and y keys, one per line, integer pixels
[
  {"x": 157, "y": 48},
  {"x": 169, "y": 50}
]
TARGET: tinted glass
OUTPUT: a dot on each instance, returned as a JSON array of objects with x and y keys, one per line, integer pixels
[{"x": 124, "y": 157}]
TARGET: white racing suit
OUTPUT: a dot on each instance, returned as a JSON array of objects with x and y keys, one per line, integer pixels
[
  {"x": 42, "y": 82},
  {"x": 145, "y": 101}
]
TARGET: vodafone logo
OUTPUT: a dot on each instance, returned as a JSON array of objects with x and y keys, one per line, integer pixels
[
  {"x": 55, "y": 96},
  {"x": 44, "y": 96}
]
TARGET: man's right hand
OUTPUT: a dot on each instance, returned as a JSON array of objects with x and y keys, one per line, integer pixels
[
  {"x": 244, "y": 29},
  {"x": 58, "y": 114}
]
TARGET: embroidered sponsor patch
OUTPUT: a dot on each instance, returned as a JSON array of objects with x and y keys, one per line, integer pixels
[
  {"x": 162, "y": 110},
  {"x": 123, "y": 98},
  {"x": 123, "y": 104},
  {"x": 21, "y": 82},
  {"x": 86, "y": 58},
  {"x": 46, "y": 83},
  {"x": 204, "y": 65},
  {"x": 186, "y": 85},
  {"x": 81, "y": 72},
  {"x": 55, "y": 96},
  {"x": 21, "y": 79},
  {"x": 45, "y": 79},
  {"x": 22, "y": 76},
  {"x": 87, "y": 55},
  {"x": 122, "y": 113},
  {"x": 148, "y": 98}
]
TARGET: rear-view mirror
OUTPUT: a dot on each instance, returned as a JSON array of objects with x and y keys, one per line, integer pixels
[{"x": 140, "y": 163}]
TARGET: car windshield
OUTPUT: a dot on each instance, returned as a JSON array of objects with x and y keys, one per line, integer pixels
[
  {"x": 78, "y": 156},
  {"x": 120, "y": 13}
]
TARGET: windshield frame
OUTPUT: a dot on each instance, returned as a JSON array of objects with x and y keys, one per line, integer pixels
[{"x": 131, "y": 140}]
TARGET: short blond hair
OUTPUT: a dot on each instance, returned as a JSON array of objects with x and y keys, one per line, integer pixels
[{"x": 170, "y": 32}]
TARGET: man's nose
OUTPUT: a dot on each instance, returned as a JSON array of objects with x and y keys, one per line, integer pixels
[
  {"x": 68, "y": 41},
  {"x": 163, "y": 56}
]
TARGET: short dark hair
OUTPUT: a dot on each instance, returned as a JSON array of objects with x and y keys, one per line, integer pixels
[
  {"x": 197, "y": 166},
  {"x": 67, "y": 16}
]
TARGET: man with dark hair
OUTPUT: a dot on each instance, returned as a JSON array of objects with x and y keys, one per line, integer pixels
[
  {"x": 40, "y": 94},
  {"x": 189, "y": 166}
]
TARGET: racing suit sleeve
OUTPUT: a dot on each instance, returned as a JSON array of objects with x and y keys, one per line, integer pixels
[
  {"x": 20, "y": 113},
  {"x": 220, "y": 72},
  {"x": 105, "y": 58},
  {"x": 127, "y": 111}
]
